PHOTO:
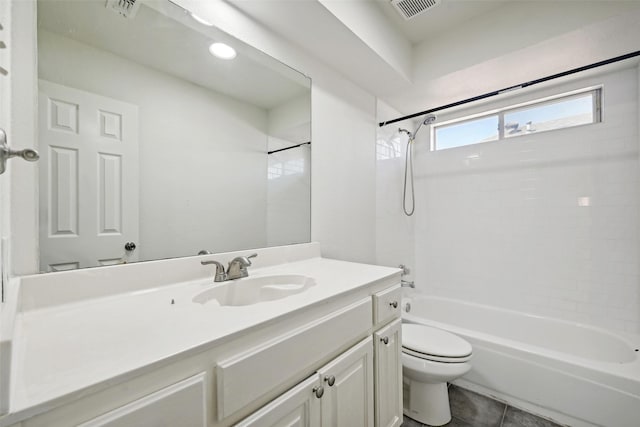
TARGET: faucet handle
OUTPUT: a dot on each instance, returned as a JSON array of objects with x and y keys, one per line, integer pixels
[
  {"x": 405, "y": 270},
  {"x": 251, "y": 256},
  {"x": 244, "y": 260}
]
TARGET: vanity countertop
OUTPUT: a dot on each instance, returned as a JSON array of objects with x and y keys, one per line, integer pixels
[{"x": 62, "y": 349}]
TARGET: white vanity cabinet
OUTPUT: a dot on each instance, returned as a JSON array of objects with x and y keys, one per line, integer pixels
[
  {"x": 339, "y": 394},
  {"x": 334, "y": 364},
  {"x": 361, "y": 387}
]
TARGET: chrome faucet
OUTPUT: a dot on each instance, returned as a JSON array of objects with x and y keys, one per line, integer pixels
[
  {"x": 238, "y": 267},
  {"x": 220, "y": 275}
]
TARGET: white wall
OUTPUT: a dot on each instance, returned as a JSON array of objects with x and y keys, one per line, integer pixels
[
  {"x": 394, "y": 230},
  {"x": 202, "y": 154},
  {"x": 291, "y": 120},
  {"x": 517, "y": 42},
  {"x": 343, "y": 170},
  {"x": 288, "y": 194},
  {"x": 289, "y": 173},
  {"x": 500, "y": 223}
]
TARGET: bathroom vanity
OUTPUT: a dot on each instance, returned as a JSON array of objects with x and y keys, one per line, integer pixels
[{"x": 125, "y": 352}]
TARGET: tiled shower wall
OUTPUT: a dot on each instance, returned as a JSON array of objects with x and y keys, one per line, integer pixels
[
  {"x": 394, "y": 230},
  {"x": 545, "y": 223}
]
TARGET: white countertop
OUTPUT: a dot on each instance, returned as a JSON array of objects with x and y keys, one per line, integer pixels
[{"x": 61, "y": 349}]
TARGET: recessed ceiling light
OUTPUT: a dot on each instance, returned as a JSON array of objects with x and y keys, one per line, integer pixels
[
  {"x": 222, "y": 51},
  {"x": 201, "y": 20}
]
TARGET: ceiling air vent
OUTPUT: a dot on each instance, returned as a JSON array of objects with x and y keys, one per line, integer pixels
[
  {"x": 126, "y": 8},
  {"x": 412, "y": 8}
]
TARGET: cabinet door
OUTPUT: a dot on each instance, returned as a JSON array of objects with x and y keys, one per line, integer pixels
[
  {"x": 388, "y": 375},
  {"x": 299, "y": 407},
  {"x": 182, "y": 404},
  {"x": 348, "y": 388}
]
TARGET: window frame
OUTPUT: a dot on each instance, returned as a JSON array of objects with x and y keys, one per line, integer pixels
[{"x": 594, "y": 91}]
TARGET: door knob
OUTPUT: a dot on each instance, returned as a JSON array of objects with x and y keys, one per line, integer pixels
[
  {"x": 318, "y": 391},
  {"x": 130, "y": 246},
  {"x": 6, "y": 153}
]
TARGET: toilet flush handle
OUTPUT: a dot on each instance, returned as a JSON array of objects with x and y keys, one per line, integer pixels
[{"x": 394, "y": 304}]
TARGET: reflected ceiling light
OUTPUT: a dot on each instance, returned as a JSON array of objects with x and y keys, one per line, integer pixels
[
  {"x": 200, "y": 20},
  {"x": 222, "y": 51}
]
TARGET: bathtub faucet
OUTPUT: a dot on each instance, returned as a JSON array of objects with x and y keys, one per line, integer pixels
[{"x": 407, "y": 284}]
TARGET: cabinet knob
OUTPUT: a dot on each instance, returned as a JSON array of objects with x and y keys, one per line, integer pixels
[
  {"x": 330, "y": 379},
  {"x": 385, "y": 340},
  {"x": 318, "y": 391},
  {"x": 394, "y": 304}
]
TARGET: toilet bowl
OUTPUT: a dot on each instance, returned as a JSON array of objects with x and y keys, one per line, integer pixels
[{"x": 431, "y": 357}]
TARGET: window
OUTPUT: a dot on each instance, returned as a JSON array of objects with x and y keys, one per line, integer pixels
[
  {"x": 388, "y": 148},
  {"x": 563, "y": 111},
  {"x": 289, "y": 167},
  {"x": 467, "y": 132}
]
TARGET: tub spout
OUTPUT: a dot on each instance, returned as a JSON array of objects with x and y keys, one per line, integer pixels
[{"x": 407, "y": 284}]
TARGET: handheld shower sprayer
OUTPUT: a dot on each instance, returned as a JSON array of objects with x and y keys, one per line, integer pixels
[
  {"x": 429, "y": 118},
  {"x": 408, "y": 164}
]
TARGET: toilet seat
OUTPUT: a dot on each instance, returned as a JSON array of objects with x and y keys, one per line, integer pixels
[{"x": 426, "y": 342}]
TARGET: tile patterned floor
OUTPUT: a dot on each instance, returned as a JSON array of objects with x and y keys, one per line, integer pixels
[{"x": 469, "y": 409}]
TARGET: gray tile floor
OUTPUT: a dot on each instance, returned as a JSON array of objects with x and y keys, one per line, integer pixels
[{"x": 469, "y": 409}]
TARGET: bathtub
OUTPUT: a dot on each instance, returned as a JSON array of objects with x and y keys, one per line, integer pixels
[{"x": 574, "y": 374}]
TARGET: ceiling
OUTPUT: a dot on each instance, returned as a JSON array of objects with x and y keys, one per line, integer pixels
[
  {"x": 448, "y": 14},
  {"x": 174, "y": 43},
  {"x": 456, "y": 50}
]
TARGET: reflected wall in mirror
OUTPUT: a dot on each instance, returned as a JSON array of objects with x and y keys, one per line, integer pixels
[{"x": 151, "y": 143}]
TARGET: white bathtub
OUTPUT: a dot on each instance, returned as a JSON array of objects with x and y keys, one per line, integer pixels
[{"x": 575, "y": 374}]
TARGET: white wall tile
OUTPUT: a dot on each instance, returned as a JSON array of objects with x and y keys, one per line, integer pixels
[{"x": 547, "y": 223}]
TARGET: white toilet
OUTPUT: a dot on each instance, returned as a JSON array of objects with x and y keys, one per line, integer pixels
[{"x": 430, "y": 358}]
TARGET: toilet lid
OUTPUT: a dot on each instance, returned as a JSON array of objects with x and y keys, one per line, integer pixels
[{"x": 433, "y": 342}]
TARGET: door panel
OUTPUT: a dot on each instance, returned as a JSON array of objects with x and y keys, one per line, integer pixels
[
  {"x": 388, "y": 349},
  {"x": 349, "y": 401},
  {"x": 299, "y": 407},
  {"x": 88, "y": 178}
]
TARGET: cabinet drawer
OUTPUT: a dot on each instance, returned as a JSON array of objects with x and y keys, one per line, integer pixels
[
  {"x": 181, "y": 404},
  {"x": 386, "y": 304},
  {"x": 244, "y": 378}
]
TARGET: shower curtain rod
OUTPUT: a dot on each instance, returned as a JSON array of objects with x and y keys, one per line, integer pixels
[
  {"x": 520, "y": 86},
  {"x": 289, "y": 148}
]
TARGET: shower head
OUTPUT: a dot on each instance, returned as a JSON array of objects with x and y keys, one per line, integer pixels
[{"x": 429, "y": 118}]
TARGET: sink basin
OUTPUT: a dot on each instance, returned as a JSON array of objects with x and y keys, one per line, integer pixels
[{"x": 253, "y": 290}]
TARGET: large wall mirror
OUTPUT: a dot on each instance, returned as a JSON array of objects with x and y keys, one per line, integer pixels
[{"x": 152, "y": 148}]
